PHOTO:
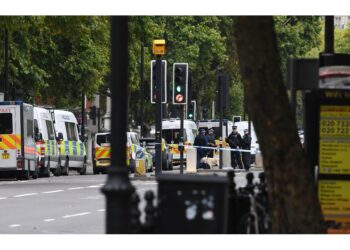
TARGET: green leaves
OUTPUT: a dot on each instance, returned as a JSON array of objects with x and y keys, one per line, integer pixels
[{"x": 58, "y": 58}]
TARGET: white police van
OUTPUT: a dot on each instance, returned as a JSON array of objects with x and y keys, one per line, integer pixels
[
  {"x": 71, "y": 147},
  {"x": 17, "y": 144},
  {"x": 48, "y": 156}
]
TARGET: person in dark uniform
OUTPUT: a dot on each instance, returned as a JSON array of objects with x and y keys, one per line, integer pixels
[
  {"x": 235, "y": 141},
  {"x": 211, "y": 142},
  {"x": 246, "y": 142},
  {"x": 201, "y": 141}
]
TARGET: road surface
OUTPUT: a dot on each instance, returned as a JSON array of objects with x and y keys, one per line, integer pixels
[{"x": 62, "y": 205}]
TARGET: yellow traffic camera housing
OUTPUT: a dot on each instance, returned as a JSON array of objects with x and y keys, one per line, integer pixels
[{"x": 158, "y": 47}]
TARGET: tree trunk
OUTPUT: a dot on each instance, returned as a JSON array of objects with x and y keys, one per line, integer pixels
[{"x": 293, "y": 198}]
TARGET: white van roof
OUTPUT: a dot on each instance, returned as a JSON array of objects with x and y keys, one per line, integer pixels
[
  {"x": 63, "y": 115},
  {"x": 175, "y": 123}
]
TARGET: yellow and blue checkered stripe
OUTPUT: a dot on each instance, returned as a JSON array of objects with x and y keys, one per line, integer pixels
[
  {"x": 73, "y": 148},
  {"x": 51, "y": 148}
]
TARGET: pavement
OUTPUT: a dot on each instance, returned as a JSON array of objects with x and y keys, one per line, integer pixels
[{"x": 69, "y": 204}]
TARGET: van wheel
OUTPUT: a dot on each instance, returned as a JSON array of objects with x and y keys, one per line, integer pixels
[
  {"x": 57, "y": 171},
  {"x": 23, "y": 175},
  {"x": 94, "y": 169},
  {"x": 170, "y": 166},
  {"x": 35, "y": 174},
  {"x": 82, "y": 171},
  {"x": 47, "y": 169},
  {"x": 66, "y": 168}
]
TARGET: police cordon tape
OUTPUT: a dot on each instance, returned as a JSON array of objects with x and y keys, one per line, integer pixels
[{"x": 215, "y": 148}]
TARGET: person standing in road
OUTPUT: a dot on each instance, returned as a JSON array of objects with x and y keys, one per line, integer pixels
[
  {"x": 235, "y": 141},
  {"x": 246, "y": 142},
  {"x": 211, "y": 142},
  {"x": 201, "y": 141}
]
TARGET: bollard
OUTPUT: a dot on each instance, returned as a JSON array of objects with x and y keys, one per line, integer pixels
[
  {"x": 226, "y": 159},
  {"x": 191, "y": 160}
]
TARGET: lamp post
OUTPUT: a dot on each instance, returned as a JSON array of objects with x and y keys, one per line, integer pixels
[{"x": 118, "y": 189}]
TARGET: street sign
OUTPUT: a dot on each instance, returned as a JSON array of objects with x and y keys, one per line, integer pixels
[{"x": 334, "y": 143}]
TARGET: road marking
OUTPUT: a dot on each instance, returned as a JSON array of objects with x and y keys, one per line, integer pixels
[
  {"x": 74, "y": 215},
  {"x": 23, "y": 181},
  {"x": 15, "y": 225},
  {"x": 53, "y": 191},
  {"x": 93, "y": 186},
  {"x": 48, "y": 220},
  {"x": 3, "y": 198},
  {"x": 101, "y": 210},
  {"x": 75, "y": 188},
  {"x": 22, "y": 195}
]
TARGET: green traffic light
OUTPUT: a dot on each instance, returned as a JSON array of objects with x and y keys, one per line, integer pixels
[
  {"x": 178, "y": 88},
  {"x": 190, "y": 115}
]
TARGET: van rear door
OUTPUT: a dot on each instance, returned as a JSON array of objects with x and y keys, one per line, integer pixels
[{"x": 9, "y": 139}]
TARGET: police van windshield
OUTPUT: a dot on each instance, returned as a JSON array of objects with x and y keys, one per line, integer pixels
[
  {"x": 5, "y": 123},
  {"x": 103, "y": 139},
  {"x": 172, "y": 136}
]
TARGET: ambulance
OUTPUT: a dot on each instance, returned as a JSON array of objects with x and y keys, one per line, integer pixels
[
  {"x": 71, "y": 147},
  {"x": 46, "y": 144},
  {"x": 17, "y": 144},
  {"x": 171, "y": 134}
]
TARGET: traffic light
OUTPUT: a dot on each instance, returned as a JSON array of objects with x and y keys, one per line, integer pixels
[
  {"x": 153, "y": 81},
  {"x": 92, "y": 114},
  {"x": 191, "y": 110},
  {"x": 180, "y": 83}
]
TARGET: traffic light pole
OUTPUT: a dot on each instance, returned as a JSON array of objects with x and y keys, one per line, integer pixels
[
  {"x": 221, "y": 135},
  {"x": 181, "y": 142},
  {"x": 6, "y": 70},
  {"x": 158, "y": 115}
]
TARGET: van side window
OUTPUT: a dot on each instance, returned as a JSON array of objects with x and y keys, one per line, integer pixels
[
  {"x": 134, "y": 139},
  {"x": 30, "y": 132},
  {"x": 6, "y": 123},
  {"x": 49, "y": 128},
  {"x": 71, "y": 132}
]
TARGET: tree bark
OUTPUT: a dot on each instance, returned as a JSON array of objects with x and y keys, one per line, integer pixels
[{"x": 293, "y": 198}]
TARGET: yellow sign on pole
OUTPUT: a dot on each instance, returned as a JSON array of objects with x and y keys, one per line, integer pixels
[
  {"x": 334, "y": 155},
  {"x": 158, "y": 47}
]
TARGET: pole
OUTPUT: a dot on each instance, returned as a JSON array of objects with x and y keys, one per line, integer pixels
[
  {"x": 329, "y": 34},
  {"x": 213, "y": 110},
  {"x": 83, "y": 115},
  {"x": 142, "y": 89},
  {"x": 181, "y": 142},
  {"x": 221, "y": 134},
  {"x": 291, "y": 65},
  {"x": 6, "y": 70},
  {"x": 118, "y": 189},
  {"x": 158, "y": 115},
  {"x": 98, "y": 120}
]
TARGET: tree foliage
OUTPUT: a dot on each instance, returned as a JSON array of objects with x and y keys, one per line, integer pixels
[{"x": 58, "y": 58}]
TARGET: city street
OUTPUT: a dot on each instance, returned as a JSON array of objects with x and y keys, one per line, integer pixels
[{"x": 64, "y": 205}]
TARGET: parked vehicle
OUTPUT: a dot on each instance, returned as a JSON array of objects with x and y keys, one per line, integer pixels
[
  {"x": 48, "y": 156},
  {"x": 171, "y": 134},
  {"x": 167, "y": 156},
  {"x": 72, "y": 148},
  {"x": 134, "y": 150},
  {"x": 17, "y": 144},
  {"x": 101, "y": 152},
  {"x": 241, "y": 126}
]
